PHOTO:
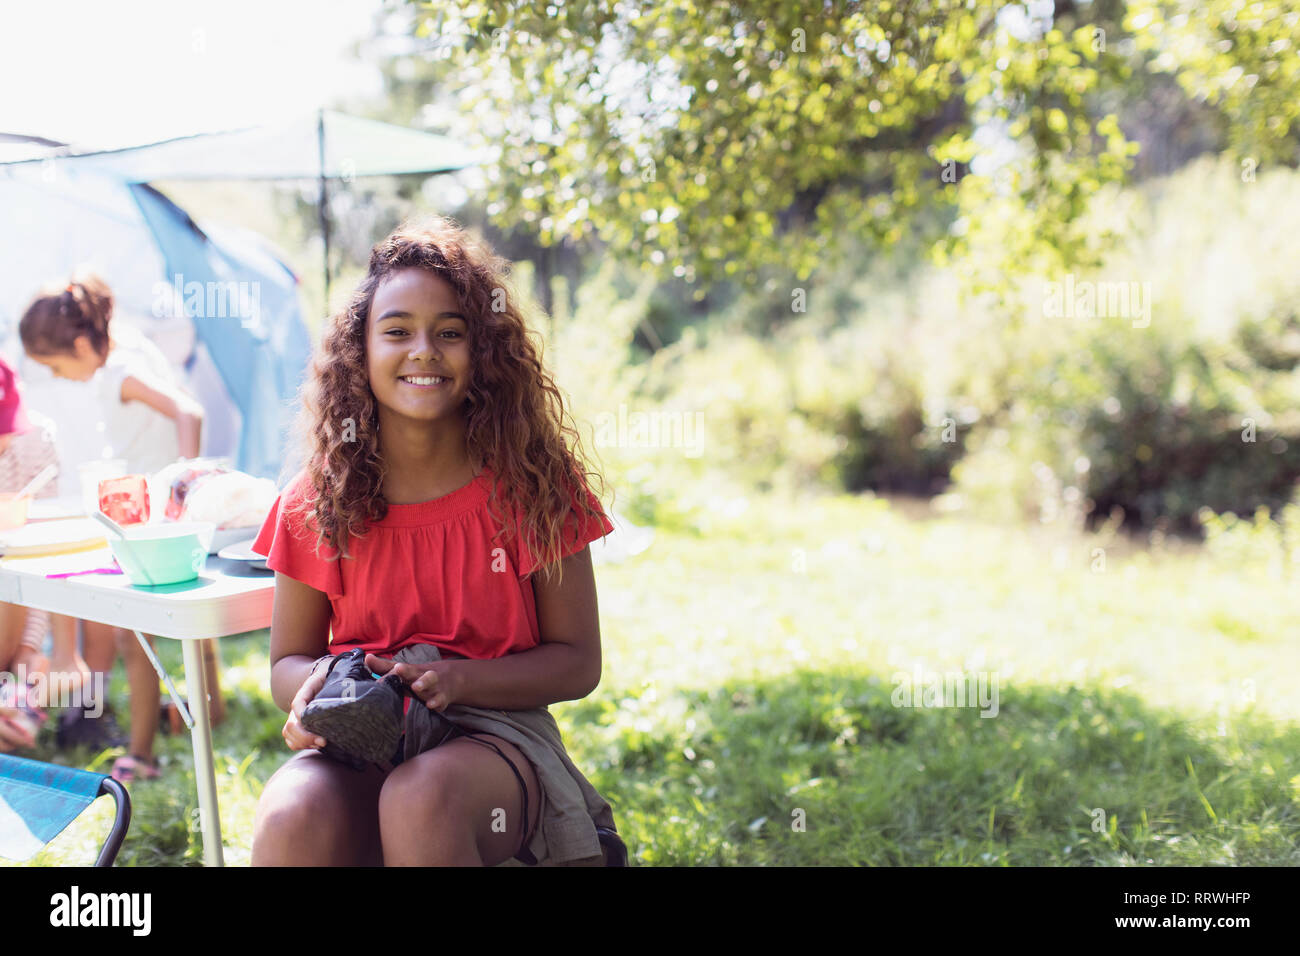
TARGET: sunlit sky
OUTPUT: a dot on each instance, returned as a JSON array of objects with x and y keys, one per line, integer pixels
[{"x": 103, "y": 75}]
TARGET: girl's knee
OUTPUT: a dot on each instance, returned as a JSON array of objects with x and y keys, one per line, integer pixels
[
  {"x": 281, "y": 826},
  {"x": 418, "y": 788},
  {"x": 427, "y": 800},
  {"x": 313, "y": 810},
  {"x": 425, "y": 818},
  {"x": 312, "y": 780},
  {"x": 289, "y": 801}
]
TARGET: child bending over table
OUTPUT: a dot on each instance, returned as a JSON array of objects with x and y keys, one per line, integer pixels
[{"x": 149, "y": 421}]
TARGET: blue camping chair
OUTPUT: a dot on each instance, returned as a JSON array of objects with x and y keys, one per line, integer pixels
[{"x": 38, "y": 800}]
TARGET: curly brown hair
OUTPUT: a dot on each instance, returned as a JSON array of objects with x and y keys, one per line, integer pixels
[{"x": 516, "y": 422}]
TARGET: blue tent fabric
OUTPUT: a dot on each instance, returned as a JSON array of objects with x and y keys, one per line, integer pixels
[
  {"x": 38, "y": 801},
  {"x": 261, "y": 353}
]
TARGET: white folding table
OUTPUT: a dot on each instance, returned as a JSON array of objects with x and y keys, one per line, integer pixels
[{"x": 228, "y": 598}]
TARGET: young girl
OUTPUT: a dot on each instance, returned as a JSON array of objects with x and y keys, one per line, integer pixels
[
  {"x": 150, "y": 422},
  {"x": 437, "y": 483}
]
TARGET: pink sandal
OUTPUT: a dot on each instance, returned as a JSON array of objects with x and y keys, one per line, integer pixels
[{"x": 133, "y": 767}]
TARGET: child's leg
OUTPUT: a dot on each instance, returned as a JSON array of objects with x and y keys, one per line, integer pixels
[
  {"x": 17, "y": 725},
  {"x": 142, "y": 682},
  {"x": 68, "y": 671},
  {"x": 457, "y": 805},
  {"x": 315, "y": 811},
  {"x": 99, "y": 644},
  {"x": 22, "y": 635},
  {"x": 13, "y": 618}
]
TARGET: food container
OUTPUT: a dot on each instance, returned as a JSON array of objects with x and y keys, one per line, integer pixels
[{"x": 163, "y": 553}]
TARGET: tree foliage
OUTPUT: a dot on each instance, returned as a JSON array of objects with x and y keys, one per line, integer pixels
[
  {"x": 714, "y": 140},
  {"x": 1241, "y": 57}
]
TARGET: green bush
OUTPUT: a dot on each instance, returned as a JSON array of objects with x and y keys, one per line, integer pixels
[
  {"x": 862, "y": 391},
  {"x": 1155, "y": 416},
  {"x": 666, "y": 475},
  {"x": 1256, "y": 543},
  {"x": 892, "y": 381}
]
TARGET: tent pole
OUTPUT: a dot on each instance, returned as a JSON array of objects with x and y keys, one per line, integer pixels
[{"x": 322, "y": 203}]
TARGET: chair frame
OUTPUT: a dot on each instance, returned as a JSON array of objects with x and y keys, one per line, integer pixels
[
  {"x": 107, "y": 787},
  {"x": 121, "y": 820}
]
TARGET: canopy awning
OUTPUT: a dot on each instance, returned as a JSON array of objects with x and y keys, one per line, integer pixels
[{"x": 352, "y": 147}]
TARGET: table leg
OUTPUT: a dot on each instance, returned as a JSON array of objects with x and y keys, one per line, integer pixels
[{"x": 201, "y": 738}]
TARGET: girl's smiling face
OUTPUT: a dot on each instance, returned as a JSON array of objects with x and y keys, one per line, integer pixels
[{"x": 416, "y": 332}]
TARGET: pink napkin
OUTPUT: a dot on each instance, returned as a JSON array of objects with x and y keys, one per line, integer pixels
[{"x": 72, "y": 574}]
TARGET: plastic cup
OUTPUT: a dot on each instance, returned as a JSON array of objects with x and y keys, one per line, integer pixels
[{"x": 91, "y": 473}]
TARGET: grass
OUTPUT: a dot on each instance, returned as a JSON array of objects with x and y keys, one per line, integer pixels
[{"x": 1144, "y": 714}]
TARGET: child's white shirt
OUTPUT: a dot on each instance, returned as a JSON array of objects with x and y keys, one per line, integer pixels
[{"x": 146, "y": 438}]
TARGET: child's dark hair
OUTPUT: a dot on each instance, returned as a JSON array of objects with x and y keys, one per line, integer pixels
[
  {"x": 55, "y": 319},
  {"x": 516, "y": 422}
]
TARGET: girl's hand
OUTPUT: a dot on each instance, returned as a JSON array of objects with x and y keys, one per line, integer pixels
[
  {"x": 33, "y": 660},
  {"x": 68, "y": 676},
  {"x": 16, "y": 729},
  {"x": 294, "y": 734},
  {"x": 438, "y": 683}
]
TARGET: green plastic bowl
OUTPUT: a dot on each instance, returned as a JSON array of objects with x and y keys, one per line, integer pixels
[{"x": 163, "y": 553}]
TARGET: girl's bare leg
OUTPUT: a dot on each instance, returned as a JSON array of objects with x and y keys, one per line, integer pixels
[
  {"x": 457, "y": 805},
  {"x": 142, "y": 681},
  {"x": 13, "y": 618},
  {"x": 315, "y": 811},
  {"x": 24, "y": 661},
  {"x": 99, "y": 646},
  {"x": 69, "y": 673}
]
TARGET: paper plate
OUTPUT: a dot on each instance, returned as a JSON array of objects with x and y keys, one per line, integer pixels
[
  {"x": 52, "y": 537},
  {"x": 229, "y": 537}
]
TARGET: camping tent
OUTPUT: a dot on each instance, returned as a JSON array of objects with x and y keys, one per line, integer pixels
[{"x": 243, "y": 361}]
